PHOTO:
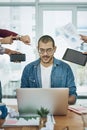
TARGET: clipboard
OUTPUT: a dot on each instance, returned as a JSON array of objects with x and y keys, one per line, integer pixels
[{"x": 76, "y": 57}]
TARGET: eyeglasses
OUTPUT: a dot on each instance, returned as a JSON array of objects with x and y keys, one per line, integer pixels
[{"x": 49, "y": 51}]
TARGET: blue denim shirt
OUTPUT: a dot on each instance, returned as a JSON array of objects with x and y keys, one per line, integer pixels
[{"x": 61, "y": 76}]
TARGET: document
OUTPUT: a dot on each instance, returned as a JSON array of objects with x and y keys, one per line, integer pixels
[
  {"x": 79, "y": 109},
  {"x": 28, "y": 121},
  {"x": 22, "y": 121},
  {"x": 70, "y": 35}
]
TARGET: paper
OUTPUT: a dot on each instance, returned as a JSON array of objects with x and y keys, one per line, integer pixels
[
  {"x": 30, "y": 122},
  {"x": 21, "y": 122},
  {"x": 70, "y": 35},
  {"x": 78, "y": 109}
]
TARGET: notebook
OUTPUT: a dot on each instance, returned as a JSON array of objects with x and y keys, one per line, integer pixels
[
  {"x": 75, "y": 57},
  {"x": 53, "y": 99}
]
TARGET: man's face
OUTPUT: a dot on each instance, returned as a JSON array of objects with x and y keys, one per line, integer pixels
[{"x": 46, "y": 52}]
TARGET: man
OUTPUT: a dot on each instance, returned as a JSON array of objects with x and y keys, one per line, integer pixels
[
  {"x": 48, "y": 71},
  {"x": 7, "y": 37}
]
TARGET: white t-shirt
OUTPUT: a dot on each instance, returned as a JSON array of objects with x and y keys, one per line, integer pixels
[{"x": 46, "y": 76}]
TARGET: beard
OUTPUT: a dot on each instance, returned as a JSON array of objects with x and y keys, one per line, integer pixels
[{"x": 46, "y": 59}]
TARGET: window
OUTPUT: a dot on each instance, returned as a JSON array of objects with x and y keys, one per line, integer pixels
[
  {"x": 59, "y": 18},
  {"x": 22, "y": 21},
  {"x": 38, "y": 17},
  {"x": 53, "y": 17},
  {"x": 63, "y": 1},
  {"x": 82, "y": 29},
  {"x": 17, "y": 1}
]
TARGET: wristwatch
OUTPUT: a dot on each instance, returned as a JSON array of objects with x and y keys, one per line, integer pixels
[{"x": 18, "y": 37}]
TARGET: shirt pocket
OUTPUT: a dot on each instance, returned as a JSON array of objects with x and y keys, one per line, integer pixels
[
  {"x": 32, "y": 82},
  {"x": 58, "y": 81}
]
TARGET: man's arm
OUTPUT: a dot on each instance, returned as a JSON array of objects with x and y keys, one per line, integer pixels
[
  {"x": 6, "y": 40},
  {"x": 14, "y": 36},
  {"x": 84, "y": 38},
  {"x": 7, "y": 51},
  {"x": 6, "y": 33},
  {"x": 71, "y": 85},
  {"x": 71, "y": 99}
]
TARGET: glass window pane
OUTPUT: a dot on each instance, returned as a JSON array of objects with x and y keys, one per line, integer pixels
[
  {"x": 52, "y": 21},
  {"x": 22, "y": 21},
  {"x": 63, "y": 1},
  {"x": 82, "y": 71},
  {"x": 82, "y": 22},
  {"x": 17, "y": 0}
]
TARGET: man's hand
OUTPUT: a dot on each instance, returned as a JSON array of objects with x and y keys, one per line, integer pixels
[
  {"x": 25, "y": 39},
  {"x": 85, "y": 53},
  {"x": 6, "y": 40},
  {"x": 84, "y": 38},
  {"x": 9, "y": 52}
]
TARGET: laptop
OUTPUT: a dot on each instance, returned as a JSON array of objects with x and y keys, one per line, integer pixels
[{"x": 53, "y": 99}]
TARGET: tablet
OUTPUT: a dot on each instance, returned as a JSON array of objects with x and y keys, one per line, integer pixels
[{"x": 75, "y": 57}]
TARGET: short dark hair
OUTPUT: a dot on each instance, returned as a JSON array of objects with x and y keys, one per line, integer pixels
[{"x": 45, "y": 39}]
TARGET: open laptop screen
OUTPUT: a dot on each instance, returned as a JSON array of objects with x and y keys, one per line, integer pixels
[{"x": 31, "y": 99}]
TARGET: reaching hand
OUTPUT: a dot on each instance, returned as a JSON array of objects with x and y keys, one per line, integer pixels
[
  {"x": 84, "y": 38},
  {"x": 9, "y": 52},
  {"x": 85, "y": 53},
  {"x": 7, "y": 40},
  {"x": 25, "y": 39}
]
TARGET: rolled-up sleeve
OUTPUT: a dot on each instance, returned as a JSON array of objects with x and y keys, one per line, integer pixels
[{"x": 6, "y": 33}]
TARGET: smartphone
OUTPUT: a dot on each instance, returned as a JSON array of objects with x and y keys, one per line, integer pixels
[
  {"x": 17, "y": 57},
  {"x": 75, "y": 57}
]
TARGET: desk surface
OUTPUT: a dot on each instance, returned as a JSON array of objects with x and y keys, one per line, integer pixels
[{"x": 72, "y": 120}]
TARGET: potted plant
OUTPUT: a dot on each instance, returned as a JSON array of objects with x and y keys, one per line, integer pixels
[{"x": 43, "y": 112}]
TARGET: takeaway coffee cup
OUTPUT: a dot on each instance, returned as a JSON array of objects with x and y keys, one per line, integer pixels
[{"x": 3, "y": 111}]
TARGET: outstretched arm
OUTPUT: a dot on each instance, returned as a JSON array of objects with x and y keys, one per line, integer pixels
[
  {"x": 6, "y": 33},
  {"x": 84, "y": 38},
  {"x": 14, "y": 36}
]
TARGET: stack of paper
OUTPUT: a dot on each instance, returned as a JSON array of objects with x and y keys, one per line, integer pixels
[
  {"x": 70, "y": 35},
  {"x": 22, "y": 122},
  {"x": 78, "y": 109},
  {"x": 32, "y": 121}
]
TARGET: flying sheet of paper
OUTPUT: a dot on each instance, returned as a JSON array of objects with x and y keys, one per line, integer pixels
[{"x": 70, "y": 35}]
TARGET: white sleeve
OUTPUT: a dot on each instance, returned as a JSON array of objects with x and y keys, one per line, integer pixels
[{"x": 2, "y": 50}]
